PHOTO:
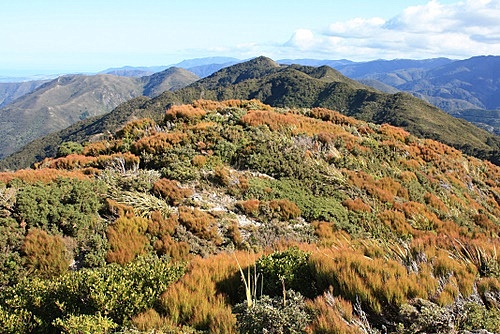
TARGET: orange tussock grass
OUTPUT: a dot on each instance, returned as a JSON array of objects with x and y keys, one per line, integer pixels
[
  {"x": 44, "y": 175},
  {"x": 186, "y": 112},
  {"x": 250, "y": 207},
  {"x": 419, "y": 215},
  {"x": 150, "y": 319},
  {"x": 72, "y": 161},
  {"x": 159, "y": 225},
  {"x": 171, "y": 191},
  {"x": 200, "y": 223},
  {"x": 46, "y": 255},
  {"x": 98, "y": 148},
  {"x": 199, "y": 160},
  {"x": 127, "y": 239},
  {"x": 488, "y": 285},
  {"x": 397, "y": 222},
  {"x": 210, "y": 105},
  {"x": 298, "y": 124},
  {"x": 377, "y": 282},
  {"x": 159, "y": 142},
  {"x": 393, "y": 132},
  {"x": 325, "y": 231},
  {"x": 384, "y": 189},
  {"x": 332, "y": 315},
  {"x": 487, "y": 224},
  {"x": 104, "y": 161},
  {"x": 282, "y": 209},
  {"x": 162, "y": 229},
  {"x": 119, "y": 209},
  {"x": 136, "y": 128},
  {"x": 200, "y": 299},
  {"x": 444, "y": 265},
  {"x": 201, "y": 126},
  {"x": 356, "y": 204},
  {"x": 332, "y": 116},
  {"x": 435, "y": 202},
  {"x": 176, "y": 250}
]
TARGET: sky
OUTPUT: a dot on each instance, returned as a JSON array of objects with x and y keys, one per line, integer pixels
[{"x": 76, "y": 36}]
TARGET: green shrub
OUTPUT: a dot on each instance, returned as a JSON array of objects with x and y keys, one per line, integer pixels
[
  {"x": 476, "y": 317},
  {"x": 312, "y": 207},
  {"x": 423, "y": 316},
  {"x": 272, "y": 315},
  {"x": 85, "y": 323},
  {"x": 113, "y": 294},
  {"x": 286, "y": 270},
  {"x": 69, "y": 147},
  {"x": 11, "y": 262},
  {"x": 69, "y": 206}
]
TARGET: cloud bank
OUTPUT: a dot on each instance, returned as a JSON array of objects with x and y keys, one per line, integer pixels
[{"x": 459, "y": 30}]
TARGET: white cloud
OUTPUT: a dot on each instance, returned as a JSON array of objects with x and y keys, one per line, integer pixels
[
  {"x": 458, "y": 30},
  {"x": 303, "y": 39}
]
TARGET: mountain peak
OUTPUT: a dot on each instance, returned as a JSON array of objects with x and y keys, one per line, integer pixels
[
  {"x": 252, "y": 69},
  {"x": 263, "y": 61}
]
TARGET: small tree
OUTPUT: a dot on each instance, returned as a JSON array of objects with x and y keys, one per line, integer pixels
[{"x": 69, "y": 147}]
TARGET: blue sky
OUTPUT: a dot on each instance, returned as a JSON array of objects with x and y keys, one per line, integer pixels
[{"x": 44, "y": 36}]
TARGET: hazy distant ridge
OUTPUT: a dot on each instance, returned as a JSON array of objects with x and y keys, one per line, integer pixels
[{"x": 68, "y": 99}]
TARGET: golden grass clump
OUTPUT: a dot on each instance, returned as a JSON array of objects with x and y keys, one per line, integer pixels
[
  {"x": 44, "y": 175},
  {"x": 200, "y": 299},
  {"x": 136, "y": 128},
  {"x": 461, "y": 275},
  {"x": 46, "y": 255},
  {"x": 127, "y": 239},
  {"x": 171, "y": 191},
  {"x": 332, "y": 315},
  {"x": 71, "y": 162},
  {"x": 159, "y": 142},
  {"x": 186, "y": 112},
  {"x": 200, "y": 223},
  {"x": 377, "y": 282},
  {"x": 356, "y": 204}
]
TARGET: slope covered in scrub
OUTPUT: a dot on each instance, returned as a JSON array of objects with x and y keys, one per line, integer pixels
[{"x": 234, "y": 216}]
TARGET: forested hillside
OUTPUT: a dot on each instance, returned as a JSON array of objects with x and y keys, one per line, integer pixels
[{"x": 234, "y": 216}]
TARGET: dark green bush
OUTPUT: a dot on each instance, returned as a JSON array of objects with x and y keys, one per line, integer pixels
[
  {"x": 69, "y": 147},
  {"x": 476, "y": 316},
  {"x": 11, "y": 240},
  {"x": 273, "y": 315},
  {"x": 77, "y": 324},
  {"x": 67, "y": 206},
  {"x": 114, "y": 292},
  {"x": 286, "y": 270}
]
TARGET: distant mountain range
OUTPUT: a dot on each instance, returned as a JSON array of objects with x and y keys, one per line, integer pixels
[
  {"x": 285, "y": 86},
  {"x": 59, "y": 103},
  {"x": 13, "y": 90},
  {"x": 466, "y": 89},
  {"x": 202, "y": 67}
]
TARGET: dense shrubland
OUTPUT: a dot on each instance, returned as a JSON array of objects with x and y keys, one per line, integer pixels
[{"x": 235, "y": 216}]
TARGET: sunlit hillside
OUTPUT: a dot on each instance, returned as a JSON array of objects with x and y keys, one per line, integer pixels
[{"x": 234, "y": 217}]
